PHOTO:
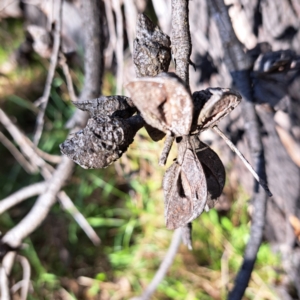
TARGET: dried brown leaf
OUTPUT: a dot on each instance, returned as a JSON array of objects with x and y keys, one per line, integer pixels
[
  {"x": 213, "y": 168},
  {"x": 211, "y": 105},
  {"x": 102, "y": 141},
  {"x": 164, "y": 103},
  {"x": 185, "y": 188}
]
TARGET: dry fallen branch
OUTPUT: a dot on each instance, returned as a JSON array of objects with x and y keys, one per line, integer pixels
[
  {"x": 21, "y": 140},
  {"x": 42, "y": 206},
  {"x": 34, "y": 155},
  {"x": 26, "y": 276},
  {"x": 29, "y": 168},
  {"x": 69, "y": 206},
  {"x": 21, "y": 195},
  {"x": 4, "y": 284},
  {"x": 66, "y": 70},
  {"x": 164, "y": 266},
  {"x": 92, "y": 85},
  {"x": 53, "y": 62},
  {"x": 119, "y": 44},
  {"x": 110, "y": 49}
]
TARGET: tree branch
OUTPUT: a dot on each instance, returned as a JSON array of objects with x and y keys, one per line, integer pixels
[
  {"x": 28, "y": 167},
  {"x": 4, "y": 284},
  {"x": 68, "y": 205},
  {"x": 164, "y": 266},
  {"x": 66, "y": 70},
  {"x": 239, "y": 65},
  {"x": 181, "y": 39},
  {"x": 92, "y": 87},
  {"x": 50, "y": 76},
  {"x": 119, "y": 44},
  {"x": 26, "y": 276},
  {"x": 22, "y": 194}
]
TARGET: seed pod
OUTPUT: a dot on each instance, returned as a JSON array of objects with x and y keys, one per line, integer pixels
[
  {"x": 102, "y": 141},
  {"x": 114, "y": 106},
  {"x": 164, "y": 103},
  {"x": 151, "y": 49}
]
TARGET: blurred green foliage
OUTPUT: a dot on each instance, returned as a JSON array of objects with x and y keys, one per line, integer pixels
[{"x": 124, "y": 205}]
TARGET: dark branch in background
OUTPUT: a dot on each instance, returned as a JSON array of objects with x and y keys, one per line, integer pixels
[
  {"x": 53, "y": 62},
  {"x": 239, "y": 64},
  {"x": 92, "y": 88}
]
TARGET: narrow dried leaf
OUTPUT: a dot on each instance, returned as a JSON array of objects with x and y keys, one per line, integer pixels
[
  {"x": 185, "y": 189},
  {"x": 178, "y": 208},
  {"x": 213, "y": 168},
  {"x": 212, "y": 105}
]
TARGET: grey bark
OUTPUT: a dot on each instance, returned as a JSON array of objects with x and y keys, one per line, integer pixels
[{"x": 239, "y": 64}]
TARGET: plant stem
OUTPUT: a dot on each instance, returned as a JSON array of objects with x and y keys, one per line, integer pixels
[{"x": 181, "y": 39}]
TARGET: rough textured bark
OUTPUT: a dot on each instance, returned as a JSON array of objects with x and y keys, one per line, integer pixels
[
  {"x": 181, "y": 38},
  {"x": 239, "y": 64},
  {"x": 253, "y": 22}
]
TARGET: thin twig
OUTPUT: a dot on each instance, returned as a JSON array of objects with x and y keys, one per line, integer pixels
[
  {"x": 21, "y": 195},
  {"x": 243, "y": 159},
  {"x": 181, "y": 39},
  {"x": 162, "y": 12},
  {"x": 68, "y": 205},
  {"x": 4, "y": 284},
  {"x": 50, "y": 76},
  {"x": 26, "y": 276},
  {"x": 109, "y": 52},
  {"x": 92, "y": 87},
  {"x": 164, "y": 266},
  {"x": 28, "y": 167},
  {"x": 21, "y": 140},
  {"x": 33, "y": 154},
  {"x": 119, "y": 45},
  {"x": 37, "y": 189},
  {"x": 131, "y": 17},
  {"x": 225, "y": 272},
  {"x": 66, "y": 70},
  {"x": 41, "y": 207},
  {"x": 51, "y": 158},
  {"x": 166, "y": 149}
]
